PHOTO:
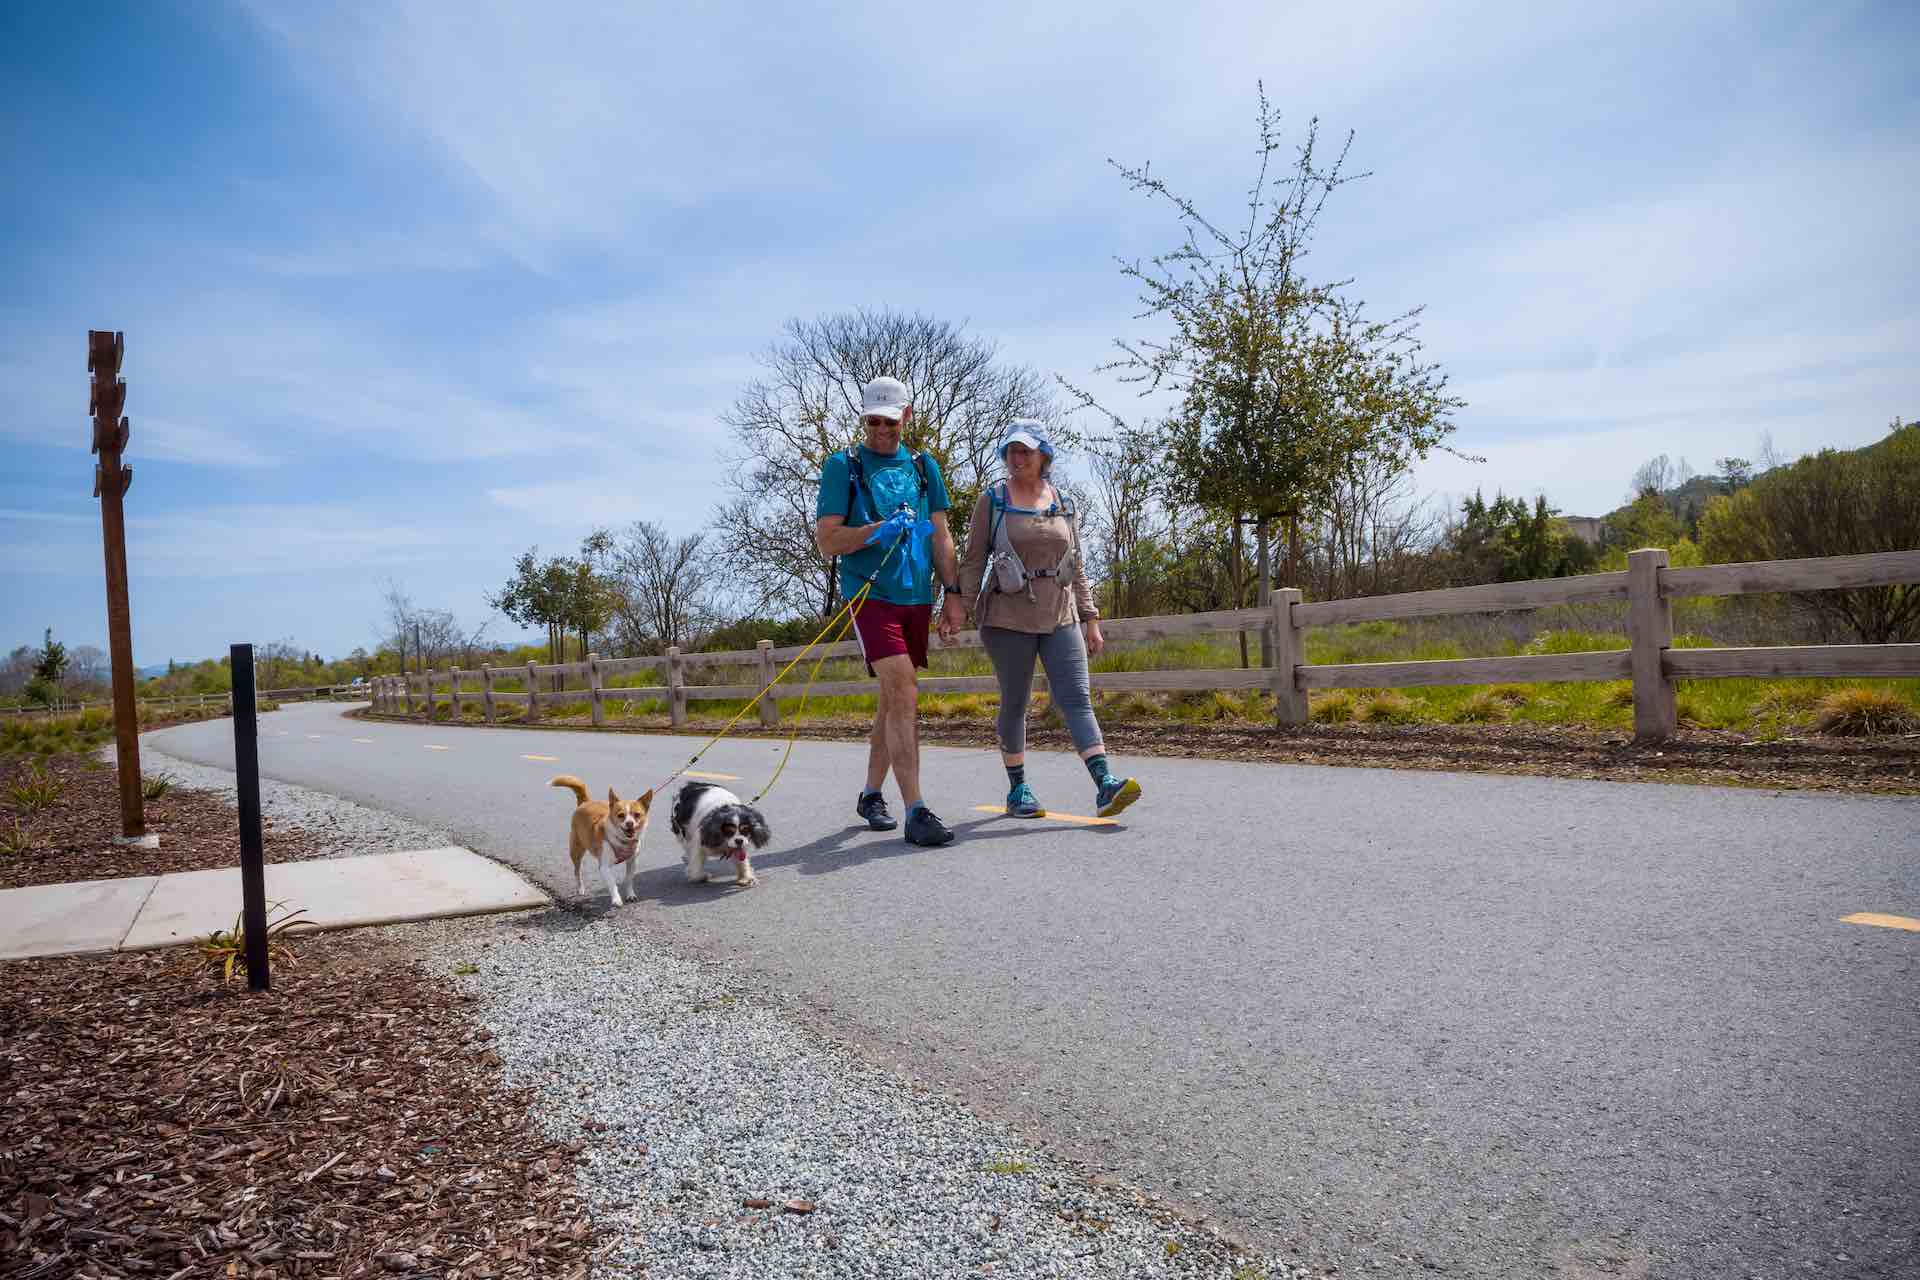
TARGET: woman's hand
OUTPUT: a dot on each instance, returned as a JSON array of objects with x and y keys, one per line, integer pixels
[
  {"x": 1095, "y": 641},
  {"x": 953, "y": 615}
]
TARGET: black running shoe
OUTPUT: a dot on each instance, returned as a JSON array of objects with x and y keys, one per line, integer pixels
[
  {"x": 874, "y": 809},
  {"x": 924, "y": 828}
]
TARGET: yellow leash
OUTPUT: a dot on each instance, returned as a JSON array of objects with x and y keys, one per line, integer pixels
[
  {"x": 807, "y": 692},
  {"x": 694, "y": 759}
]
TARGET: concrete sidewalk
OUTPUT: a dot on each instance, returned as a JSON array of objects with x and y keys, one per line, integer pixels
[{"x": 145, "y": 912}]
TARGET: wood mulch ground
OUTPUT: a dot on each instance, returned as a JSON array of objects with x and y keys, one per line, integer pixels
[
  {"x": 350, "y": 1122},
  {"x": 156, "y": 1122},
  {"x": 73, "y": 840}
]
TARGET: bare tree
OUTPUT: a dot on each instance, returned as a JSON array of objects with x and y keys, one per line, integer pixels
[
  {"x": 1372, "y": 536},
  {"x": 663, "y": 587},
  {"x": 433, "y": 636},
  {"x": 1123, "y": 517},
  {"x": 806, "y": 405},
  {"x": 1654, "y": 476}
]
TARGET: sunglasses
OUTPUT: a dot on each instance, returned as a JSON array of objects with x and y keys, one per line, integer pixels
[{"x": 876, "y": 420}]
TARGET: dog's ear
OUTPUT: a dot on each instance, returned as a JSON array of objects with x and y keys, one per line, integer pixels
[
  {"x": 757, "y": 829},
  {"x": 646, "y": 801},
  {"x": 612, "y": 796}
]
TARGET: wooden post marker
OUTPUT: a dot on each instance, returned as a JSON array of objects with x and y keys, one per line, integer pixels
[
  {"x": 1650, "y": 631},
  {"x": 769, "y": 704},
  {"x": 107, "y": 398}
]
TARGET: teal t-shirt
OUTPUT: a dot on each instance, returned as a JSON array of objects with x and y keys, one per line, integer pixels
[{"x": 889, "y": 482}]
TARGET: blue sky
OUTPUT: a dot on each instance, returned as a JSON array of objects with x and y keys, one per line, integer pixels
[{"x": 410, "y": 287}]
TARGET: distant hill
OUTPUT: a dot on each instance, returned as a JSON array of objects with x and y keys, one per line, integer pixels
[{"x": 1689, "y": 499}]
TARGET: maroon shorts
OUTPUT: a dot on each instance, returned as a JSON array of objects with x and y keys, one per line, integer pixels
[{"x": 885, "y": 629}]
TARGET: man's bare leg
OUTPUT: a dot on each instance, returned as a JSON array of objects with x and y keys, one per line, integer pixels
[
  {"x": 878, "y": 761},
  {"x": 897, "y": 726}
]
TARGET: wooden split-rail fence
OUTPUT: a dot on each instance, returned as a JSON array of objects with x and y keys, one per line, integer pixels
[{"x": 1648, "y": 585}]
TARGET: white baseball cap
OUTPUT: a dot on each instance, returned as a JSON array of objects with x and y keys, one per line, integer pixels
[{"x": 884, "y": 398}]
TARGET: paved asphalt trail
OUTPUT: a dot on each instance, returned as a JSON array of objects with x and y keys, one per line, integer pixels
[{"x": 1410, "y": 1022}]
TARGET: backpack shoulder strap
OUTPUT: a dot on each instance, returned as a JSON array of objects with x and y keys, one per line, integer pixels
[{"x": 856, "y": 479}]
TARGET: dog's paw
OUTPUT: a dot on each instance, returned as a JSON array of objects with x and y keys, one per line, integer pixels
[{"x": 746, "y": 882}]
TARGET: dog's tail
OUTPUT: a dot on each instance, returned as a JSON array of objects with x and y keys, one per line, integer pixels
[{"x": 572, "y": 784}]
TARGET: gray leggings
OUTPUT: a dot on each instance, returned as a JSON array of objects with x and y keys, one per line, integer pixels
[{"x": 1064, "y": 654}]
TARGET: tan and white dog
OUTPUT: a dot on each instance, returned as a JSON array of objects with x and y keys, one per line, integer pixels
[{"x": 610, "y": 831}]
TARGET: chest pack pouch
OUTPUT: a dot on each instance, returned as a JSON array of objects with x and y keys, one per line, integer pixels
[{"x": 1006, "y": 571}]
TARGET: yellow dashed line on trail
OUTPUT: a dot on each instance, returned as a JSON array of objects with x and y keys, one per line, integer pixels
[
  {"x": 429, "y": 746},
  {"x": 1057, "y": 817},
  {"x": 717, "y": 777},
  {"x": 1885, "y": 922},
  {"x": 363, "y": 739},
  {"x": 546, "y": 758}
]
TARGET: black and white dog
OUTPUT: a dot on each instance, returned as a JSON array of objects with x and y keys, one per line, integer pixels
[{"x": 712, "y": 822}]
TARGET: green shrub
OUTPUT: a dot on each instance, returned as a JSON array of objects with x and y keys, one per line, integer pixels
[{"x": 37, "y": 790}]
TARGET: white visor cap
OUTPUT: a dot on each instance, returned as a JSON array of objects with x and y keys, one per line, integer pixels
[{"x": 1030, "y": 432}]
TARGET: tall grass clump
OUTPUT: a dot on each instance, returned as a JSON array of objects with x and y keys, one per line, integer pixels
[
  {"x": 1862, "y": 713},
  {"x": 1389, "y": 706}
]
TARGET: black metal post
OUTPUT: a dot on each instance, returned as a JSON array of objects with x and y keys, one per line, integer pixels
[{"x": 246, "y": 767}]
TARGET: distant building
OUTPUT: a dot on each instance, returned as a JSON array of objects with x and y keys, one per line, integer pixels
[{"x": 1586, "y": 528}]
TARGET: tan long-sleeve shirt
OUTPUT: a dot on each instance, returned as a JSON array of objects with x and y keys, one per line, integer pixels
[{"x": 1041, "y": 542}]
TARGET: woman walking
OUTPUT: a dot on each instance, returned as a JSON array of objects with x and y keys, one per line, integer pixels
[{"x": 1023, "y": 574}]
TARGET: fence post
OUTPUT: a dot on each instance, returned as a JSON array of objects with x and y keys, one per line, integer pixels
[
  {"x": 1650, "y": 630},
  {"x": 426, "y": 691},
  {"x": 533, "y": 694},
  {"x": 676, "y": 687},
  {"x": 486, "y": 689},
  {"x": 1289, "y": 651},
  {"x": 593, "y": 690},
  {"x": 453, "y": 691},
  {"x": 769, "y": 705}
]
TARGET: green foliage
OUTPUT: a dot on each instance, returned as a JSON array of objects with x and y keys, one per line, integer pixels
[
  {"x": 16, "y": 838},
  {"x": 155, "y": 787},
  {"x": 1503, "y": 541},
  {"x": 1833, "y": 503}
]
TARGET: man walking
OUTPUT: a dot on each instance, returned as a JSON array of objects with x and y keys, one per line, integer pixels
[{"x": 875, "y": 500}]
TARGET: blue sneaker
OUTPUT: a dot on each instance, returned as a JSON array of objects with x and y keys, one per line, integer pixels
[
  {"x": 1021, "y": 803},
  {"x": 1115, "y": 794},
  {"x": 874, "y": 809}
]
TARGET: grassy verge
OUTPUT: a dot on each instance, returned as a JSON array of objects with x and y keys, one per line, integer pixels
[
  {"x": 1763, "y": 709},
  {"x": 86, "y": 730}
]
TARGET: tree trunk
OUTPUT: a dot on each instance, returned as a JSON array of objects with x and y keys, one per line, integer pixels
[
  {"x": 1239, "y": 584},
  {"x": 1266, "y": 587}
]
